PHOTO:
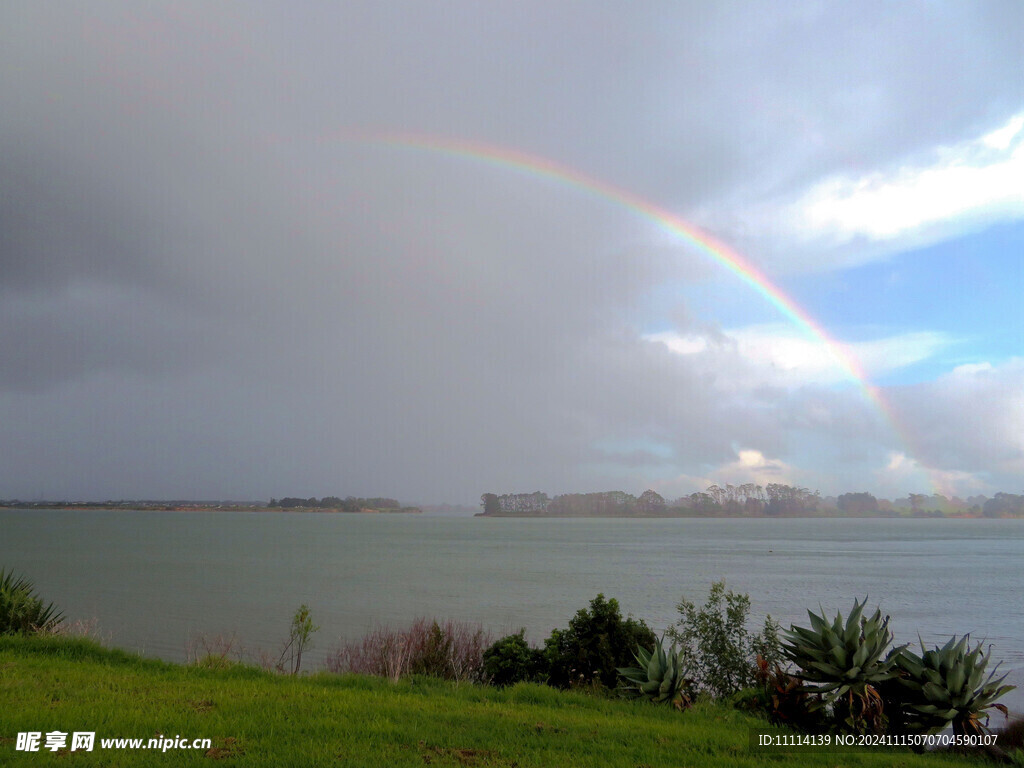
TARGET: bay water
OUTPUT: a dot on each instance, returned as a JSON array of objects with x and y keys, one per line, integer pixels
[{"x": 156, "y": 582}]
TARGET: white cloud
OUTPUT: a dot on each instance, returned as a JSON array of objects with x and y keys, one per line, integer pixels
[
  {"x": 752, "y": 466},
  {"x": 969, "y": 369},
  {"x": 781, "y": 356},
  {"x": 681, "y": 345},
  {"x": 958, "y": 188},
  {"x": 1002, "y": 138},
  {"x": 839, "y": 219}
]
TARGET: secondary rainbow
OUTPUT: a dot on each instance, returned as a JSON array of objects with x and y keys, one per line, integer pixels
[{"x": 719, "y": 252}]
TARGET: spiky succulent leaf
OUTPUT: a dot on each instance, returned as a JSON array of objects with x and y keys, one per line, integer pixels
[
  {"x": 948, "y": 684},
  {"x": 655, "y": 665},
  {"x": 21, "y": 610},
  {"x": 845, "y": 657},
  {"x": 660, "y": 676}
]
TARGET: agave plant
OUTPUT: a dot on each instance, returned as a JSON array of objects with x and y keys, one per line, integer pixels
[
  {"x": 660, "y": 675},
  {"x": 845, "y": 662},
  {"x": 21, "y": 611},
  {"x": 948, "y": 684}
]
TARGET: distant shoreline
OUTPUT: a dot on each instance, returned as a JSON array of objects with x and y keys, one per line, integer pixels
[
  {"x": 742, "y": 517},
  {"x": 157, "y": 507},
  {"x": 228, "y": 507}
]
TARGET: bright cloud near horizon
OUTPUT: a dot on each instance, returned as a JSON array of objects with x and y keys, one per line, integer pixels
[{"x": 211, "y": 287}]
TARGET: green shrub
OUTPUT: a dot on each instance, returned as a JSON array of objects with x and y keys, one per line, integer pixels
[
  {"x": 512, "y": 660},
  {"x": 597, "y": 642},
  {"x": 22, "y": 612},
  {"x": 721, "y": 652}
]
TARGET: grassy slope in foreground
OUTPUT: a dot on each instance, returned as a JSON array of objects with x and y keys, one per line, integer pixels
[{"x": 259, "y": 719}]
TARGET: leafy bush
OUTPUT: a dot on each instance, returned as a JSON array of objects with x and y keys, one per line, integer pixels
[
  {"x": 451, "y": 650},
  {"x": 721, "y": 652},
  {"x": 22, "y": 612},
  {"x": 597, "y": 642},
  {"x": 512, "y": 660}
]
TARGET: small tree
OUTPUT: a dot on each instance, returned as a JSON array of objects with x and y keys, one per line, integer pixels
[
  {"x": 721, "y": 651},
  {"x": 299, "y": 639}
]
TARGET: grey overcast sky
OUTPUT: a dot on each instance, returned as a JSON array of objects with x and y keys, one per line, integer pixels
[{"x": 217, "y": 280}]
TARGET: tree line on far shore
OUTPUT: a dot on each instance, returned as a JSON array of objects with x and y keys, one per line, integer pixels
[
  {"x": 748, "y": 500},
  {"x": 348, "y": 504}
]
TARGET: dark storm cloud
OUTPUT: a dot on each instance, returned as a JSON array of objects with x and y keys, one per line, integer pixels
[{"x": 199, "y": 270}]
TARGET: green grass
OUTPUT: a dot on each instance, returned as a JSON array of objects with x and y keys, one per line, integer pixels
[{"x": 259, "y": 719}]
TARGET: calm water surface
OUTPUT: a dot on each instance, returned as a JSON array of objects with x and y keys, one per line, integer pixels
[{"x": 155, "y": 579}]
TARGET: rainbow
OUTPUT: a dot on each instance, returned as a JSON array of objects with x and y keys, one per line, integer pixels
[{"x": 717, "y": 251}]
